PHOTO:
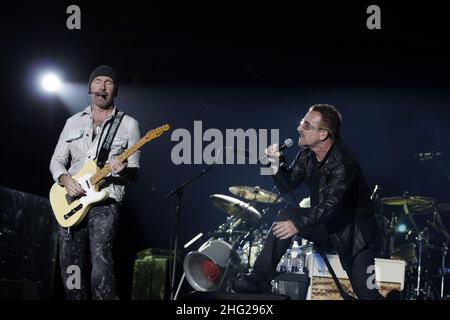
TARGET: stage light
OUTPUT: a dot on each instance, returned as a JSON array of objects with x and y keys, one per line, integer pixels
[
  {"x": 401, "y": 228},
  {"x": 50, "y": 82}
]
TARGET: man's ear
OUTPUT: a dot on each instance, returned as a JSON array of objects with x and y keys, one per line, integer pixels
[{"x": 326, "y": 136}]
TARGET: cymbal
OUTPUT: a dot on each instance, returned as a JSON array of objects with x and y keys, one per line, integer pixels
[
  {"x": 429, "y": 209},
  {"x": 235, "y": 207},
  {"x": 408, "y": 200},
  {"x": 255, "y": 194},
  {"x": 443, "y": 207}
]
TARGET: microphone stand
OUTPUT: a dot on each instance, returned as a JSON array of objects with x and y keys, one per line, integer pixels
[
  {"x": 439, "y": 165},
  {"x": 178, "y": 192},
  {"x": 444, "y": 253}
]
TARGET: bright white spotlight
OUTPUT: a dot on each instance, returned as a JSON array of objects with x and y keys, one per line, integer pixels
[{"x": 51, "y": 82}]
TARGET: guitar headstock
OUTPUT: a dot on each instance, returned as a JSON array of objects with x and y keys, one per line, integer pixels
[{"x": 156, "y": 132}]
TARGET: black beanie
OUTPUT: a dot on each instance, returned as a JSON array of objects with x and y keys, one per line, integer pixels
[{"x": 105, "y": 71}]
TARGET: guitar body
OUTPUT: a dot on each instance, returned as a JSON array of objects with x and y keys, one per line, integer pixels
[{"x": 68, "y": 211}]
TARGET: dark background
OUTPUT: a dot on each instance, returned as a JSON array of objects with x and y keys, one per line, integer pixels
[{"x": 232, "y": 66}]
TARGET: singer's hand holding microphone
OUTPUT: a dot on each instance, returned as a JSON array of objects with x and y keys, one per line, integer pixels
[
  {"x": 281, "y": 229},
  {"x": 273, "y": 154}
]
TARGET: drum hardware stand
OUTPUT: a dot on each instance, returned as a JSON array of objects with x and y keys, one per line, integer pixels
[
  {"x": 243, "y": 239},
  {"x": 391, "y": 227},
  {"x": 249, "y": 255},
  {"x": 225, "y": 226},
  {"x": 440, "y": 228},
  {"x": 239, "y": 212},
  {"x": 419, "y": 264},
  {"x": 407, "y": 213},
  {"x": 422, "y": 245},
  {"x": 175, "y": 297},
  {"x": 253, "y": 229},
  {"x": 239, "y": 243},
  {"x": 178, "y": 192},
  {"x": 187, "y": 245},
  {"x": 420, "y": 240},
  {"x": 443, "y": 270}
]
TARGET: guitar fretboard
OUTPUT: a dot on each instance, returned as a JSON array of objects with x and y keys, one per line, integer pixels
[{"x": 96, "y": 178}]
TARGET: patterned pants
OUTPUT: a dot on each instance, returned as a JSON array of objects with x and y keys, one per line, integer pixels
[{"x": 92, "y": 239}]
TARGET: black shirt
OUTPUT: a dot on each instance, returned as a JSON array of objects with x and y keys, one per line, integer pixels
[
  {"x": 314, "y": 181},
  {"x": 315, "y": 177}
]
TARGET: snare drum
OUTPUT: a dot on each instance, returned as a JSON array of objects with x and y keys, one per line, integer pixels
[
  {"x": 248, "y": 254},
  {"x": 251, "y": 250}
]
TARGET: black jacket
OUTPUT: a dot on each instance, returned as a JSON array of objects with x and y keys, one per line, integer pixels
[{"x": 344, "y": 208}]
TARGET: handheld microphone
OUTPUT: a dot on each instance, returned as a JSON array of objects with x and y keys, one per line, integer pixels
[
  {"x": 428, "y": 155},
  {"x": 286, "y": 144}
]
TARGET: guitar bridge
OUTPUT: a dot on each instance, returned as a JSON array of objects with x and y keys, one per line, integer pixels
[
  {"x": 72, "y": 212},
  {"x": 71, "y": 199}
]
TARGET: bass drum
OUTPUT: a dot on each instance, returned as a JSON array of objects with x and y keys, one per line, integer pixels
[{"x": 205, "y": 268}]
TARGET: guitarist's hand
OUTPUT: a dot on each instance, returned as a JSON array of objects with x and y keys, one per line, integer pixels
[
  {"x": 284, "y": 229},
  {"x": 117, "y": 166},
  {"x": 72, "y": 186}
]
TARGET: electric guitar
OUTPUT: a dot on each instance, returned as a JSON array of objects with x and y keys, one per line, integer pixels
[{"x": 70, "y": 211}]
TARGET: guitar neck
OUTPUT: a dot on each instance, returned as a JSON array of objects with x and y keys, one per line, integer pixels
[
  {"x": 152, "y": 134},
  {"x": 96, "y": 178}
]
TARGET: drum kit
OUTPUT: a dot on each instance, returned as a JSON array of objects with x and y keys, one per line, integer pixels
[
  {"x": 404, "y": 240},
  {"x": 234, "y": 246}
]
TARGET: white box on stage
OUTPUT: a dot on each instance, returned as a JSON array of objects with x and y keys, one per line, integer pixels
[{"x": 389, "y": 275}]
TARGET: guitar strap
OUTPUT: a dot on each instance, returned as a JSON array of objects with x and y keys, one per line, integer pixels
[{"x": 106, "y": 146}]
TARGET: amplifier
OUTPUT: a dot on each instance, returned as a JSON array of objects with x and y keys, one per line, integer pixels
[
  {"x": 389, "y": 275},
  {"x": 151, "y": 275}
]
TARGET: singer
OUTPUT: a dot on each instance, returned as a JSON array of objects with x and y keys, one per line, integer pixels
[{"x": 341, "y": 216}]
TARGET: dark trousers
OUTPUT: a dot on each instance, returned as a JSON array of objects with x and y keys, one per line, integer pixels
[
  {"x": 360, "y": 272},
  {"x": 90, "y": 242}
]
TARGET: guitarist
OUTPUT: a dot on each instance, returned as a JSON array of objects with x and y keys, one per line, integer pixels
[
  {"x": 341, "y": 214},
  {"x": 82, "y": 139}
]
